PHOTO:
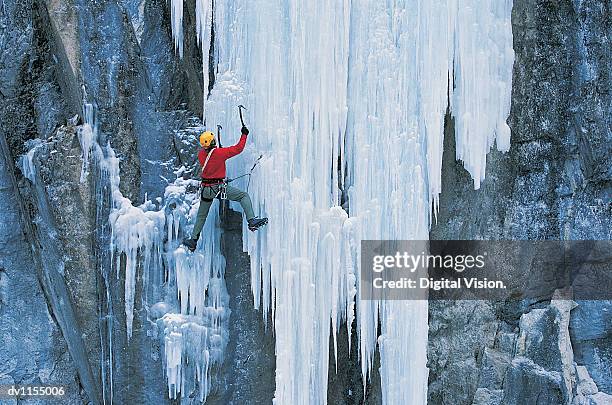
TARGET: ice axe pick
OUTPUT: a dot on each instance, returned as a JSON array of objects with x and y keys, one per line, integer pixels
[
  {"x": 219, "y": 128},
  {"x": 240, "y": 107}
]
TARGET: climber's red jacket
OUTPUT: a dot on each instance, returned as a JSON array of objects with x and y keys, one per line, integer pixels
[{"x": 215, "y": 168}]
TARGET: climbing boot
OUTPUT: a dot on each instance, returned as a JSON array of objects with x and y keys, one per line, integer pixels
[
  {"x": 256, "y": 223},
  {"x": 191, "y": 244}
]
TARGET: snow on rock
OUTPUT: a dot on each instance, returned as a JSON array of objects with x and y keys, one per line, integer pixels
[{"x": 26, "y": 162}]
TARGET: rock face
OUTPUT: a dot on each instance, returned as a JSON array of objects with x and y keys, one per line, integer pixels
[
  {"x": 554, "y": 183},
  {"x": 33, "y": 349},
  {"x": 249, "y": 368}
]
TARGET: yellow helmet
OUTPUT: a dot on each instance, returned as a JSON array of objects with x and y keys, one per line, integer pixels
[{"x": 207, "y": 139}]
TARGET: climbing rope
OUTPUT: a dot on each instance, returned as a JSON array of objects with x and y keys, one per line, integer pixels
[{"x": 227, "y": 181}]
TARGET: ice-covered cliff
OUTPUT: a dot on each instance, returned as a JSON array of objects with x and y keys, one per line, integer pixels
[{"x": 372, "y": 119}]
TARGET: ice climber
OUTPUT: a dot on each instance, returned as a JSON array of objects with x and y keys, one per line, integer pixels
[{"x": 212, "y": 162}]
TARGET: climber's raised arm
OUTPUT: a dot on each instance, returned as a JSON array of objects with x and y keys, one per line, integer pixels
[{"x": 232, "y": 151}]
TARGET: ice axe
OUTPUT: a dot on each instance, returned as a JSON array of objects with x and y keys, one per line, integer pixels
[
  {"x": 240, "y": 107},
  {"x": 219, "y": 128}
]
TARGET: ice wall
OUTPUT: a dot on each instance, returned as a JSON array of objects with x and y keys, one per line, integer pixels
[
  {"x": 386, "y": 185},
  {"x": 347, "y": 100}
]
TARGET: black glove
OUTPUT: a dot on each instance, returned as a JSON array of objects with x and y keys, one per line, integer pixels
[{"x": 244, "y": 130}]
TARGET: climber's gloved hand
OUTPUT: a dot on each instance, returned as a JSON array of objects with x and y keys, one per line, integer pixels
[{"x": 244, "y": 130}]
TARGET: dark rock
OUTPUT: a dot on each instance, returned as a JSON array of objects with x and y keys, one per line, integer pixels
[
  {"x": 493, "y": 369},
  {"x": 484, "y": 396},
  {"x": 249, "y": 360},
  {"x": 455, "y": 346},
  {"x": 554, "y": 183},
  {"x": 592, "y": 340},
  {"x": 528, "y": 383},
  {"x": 33, "y": 349}
]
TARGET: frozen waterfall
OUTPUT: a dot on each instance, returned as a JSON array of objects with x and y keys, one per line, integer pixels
[
  {"x": 184, "y": 293},
  {"x": 347, "y": 101}
]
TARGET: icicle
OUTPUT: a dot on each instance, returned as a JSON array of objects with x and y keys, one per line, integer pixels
[
  {"x": 204, "y": 32},
  {"x": 176, "y": 18},
  {"x": 192, "y": 276},
  {"x": 203, "y": 21},
  {"x": 483, "y": 78},
  {"x": 86, "y": 136},
  {"x": 432, "y": 46},
  {"x": 139, "y": 235},
  {"x": 173, "y": 348},
  {"x": 202, "y": 326}
]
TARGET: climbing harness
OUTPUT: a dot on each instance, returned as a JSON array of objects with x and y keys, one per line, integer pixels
[
  {"x": 222, "y": 184},
  {"x": 223, "y": 190}
]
